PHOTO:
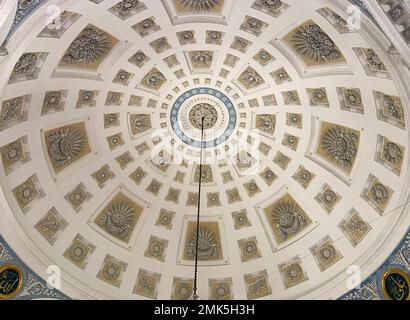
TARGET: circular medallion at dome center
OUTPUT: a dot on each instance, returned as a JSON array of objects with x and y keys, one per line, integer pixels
[
  {"x": 203, "y": 111},
  {"x": 214, "y": 107}
]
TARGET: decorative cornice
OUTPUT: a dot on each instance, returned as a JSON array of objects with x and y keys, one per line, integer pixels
[
  {"x": 24, "y": 9},
  {"x": 372, "y": 287},
  {"x": 33, "y": 286}
]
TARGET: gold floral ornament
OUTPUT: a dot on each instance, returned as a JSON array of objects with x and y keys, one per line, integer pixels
[
  {"x": 78, "y": 197},
  {"x": 372, "y": 63},
  {"x": 214, "y": 37},
  {"x": 286, "y": 218},
  {"x": 282, "y": 160},
  {"x": 264, "y": 57},
  {"x": 203, "y": 113},
  {"x": 125, "y": 159},
  {"x": 304, "y": 177},
  {"x": 318, "y": 97},
  {"x": 139, "y": 59},
  {"x": 27, "y": 192},
  {"x": 390, "y": 154},
  {"x": 165, "y": 219},
  {"x": 377, "y": 194},
  {"x": 351, "y": 99},
  {"x": 146, "y": 27},
  {"x": 79, "y": 251},
  {"x": 328, "y": 198},
  {"x": 271, "y": 7},
  {"x": 325, "y": 254},
  {"x": 221, "y": 289},
  {"x": 14, "y": 153},
  {"x": 25, "y": 65},
  {"x": 103, "y": 175},
  {"x": 140, "y": 123},
  {"x": 231, "y": 60},
  {"x": 147, "y": 284},
  {"x": 290, "y": 141},
  {"x": 28, "y": 67},
  {"x": 119, "y": 217},
  {"x": 253, "y": 25},
  {"x": 292, "y": 272},
  {"x": 160, "y": 45},
  {"x": 390, "y": 109},
  {"x": 87, "y": 98},
  {"x": 125, "y": 9},
  {"x": 201, "y": 59},
  {"x": 156, "y": 248},
  {"x": 154, "y": 187},
  {"x": 209, "y": 242},
  {"x": 266, "y": 123},
  {"x": 206, "y": 174},
  {"x": 186, "y": 37},
  {"x": 111, "y": 271},
  {"x": 14, "y": 111},
  {"x": 251, "y": 79},
  {"x": 153, "y": 80},
  {"x": 138, "y": 175},
  {"x": 257, "y": 285},
  {"x": 199, "y": 6},
  {"x": 355, "y": 228},
  {"x": 54, "y": 101},
  {"x": 182, "y": 289},
  {"x": 192, "y": 199},
  {"x": 281, "y": 76},
  {"x": 89, "y": 49},
  {"x": 51, "y": 225},
  {"x": 339, "y": 145},
  {"x": 66, "y": 145},
  {"x": 240, "y": 219},
  {"x": 268, "y": 176},
  {"x": 313, "y": 46},
  {"x": 249, "y": 249}
]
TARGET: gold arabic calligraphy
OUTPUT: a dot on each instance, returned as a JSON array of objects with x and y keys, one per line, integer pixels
[
  {"x": 10, "y": 281},
  {"x": 401, "y": 287}
]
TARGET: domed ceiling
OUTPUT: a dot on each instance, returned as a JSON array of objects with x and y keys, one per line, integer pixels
[{"x": 305, "y": 147}]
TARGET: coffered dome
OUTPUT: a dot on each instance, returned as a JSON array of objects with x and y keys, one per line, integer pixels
[{"x": 305, "y": 146}]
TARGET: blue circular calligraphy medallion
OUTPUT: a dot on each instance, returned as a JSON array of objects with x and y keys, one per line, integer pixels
[
  {"x": 11, "y": 281},
  {"x": 396, "y": 285}
]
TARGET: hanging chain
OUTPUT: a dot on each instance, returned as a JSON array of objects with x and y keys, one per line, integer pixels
[{"x": 195, "y": 288}]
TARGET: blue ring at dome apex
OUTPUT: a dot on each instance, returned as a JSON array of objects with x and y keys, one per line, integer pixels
[{"x": 203, "y": 91}]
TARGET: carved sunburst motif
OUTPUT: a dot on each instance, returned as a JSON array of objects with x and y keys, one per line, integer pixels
[
  {"x": 119, "y": 217},
  {"x": 339, "y": 145},
  {"x": 313, "y": 45},
  {"x": 286, "y": 218},
  {"x": 209, "y": 242},
  {"x": 201, "y": 6},
  {"x": 89, "y": 48},
  {"x": 66, "y": 145}
]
